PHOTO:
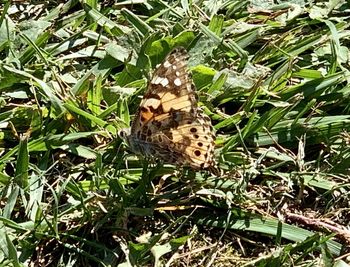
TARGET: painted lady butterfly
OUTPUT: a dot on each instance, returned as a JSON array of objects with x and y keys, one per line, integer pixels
[{"x": 168, "y": 124}]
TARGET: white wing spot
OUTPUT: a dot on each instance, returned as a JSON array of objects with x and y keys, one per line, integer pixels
[
  {"x": 177, "y": 73},
  {"x": 167, "y": 64},
  {"x": 177, "y": 82},
  {"x": 174, "y": 67},
  {"x": 160, "y": 80},
  {"x": 157, "y": 80},
  {"x": 164, "y": 82}
]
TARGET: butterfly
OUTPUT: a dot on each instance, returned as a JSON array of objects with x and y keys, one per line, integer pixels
[{"x": 169, "y": 125}]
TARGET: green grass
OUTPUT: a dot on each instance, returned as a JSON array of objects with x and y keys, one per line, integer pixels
[{"x": 273, "y": 78}]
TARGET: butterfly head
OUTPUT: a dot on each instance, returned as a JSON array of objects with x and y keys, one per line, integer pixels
[{"x": 124, "y": 134}]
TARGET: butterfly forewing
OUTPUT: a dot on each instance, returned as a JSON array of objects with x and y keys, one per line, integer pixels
[
  {"x": 168, "y": 124},
  {"x": 169, "y": 90}
]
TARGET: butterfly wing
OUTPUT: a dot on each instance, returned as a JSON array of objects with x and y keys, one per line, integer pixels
[
  {"x": 195, "y": 140},
  {"x": 168, "y": 124}
]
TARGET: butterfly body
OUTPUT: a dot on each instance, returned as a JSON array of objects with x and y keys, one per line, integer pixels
[{"x": 168, "y": 124}]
